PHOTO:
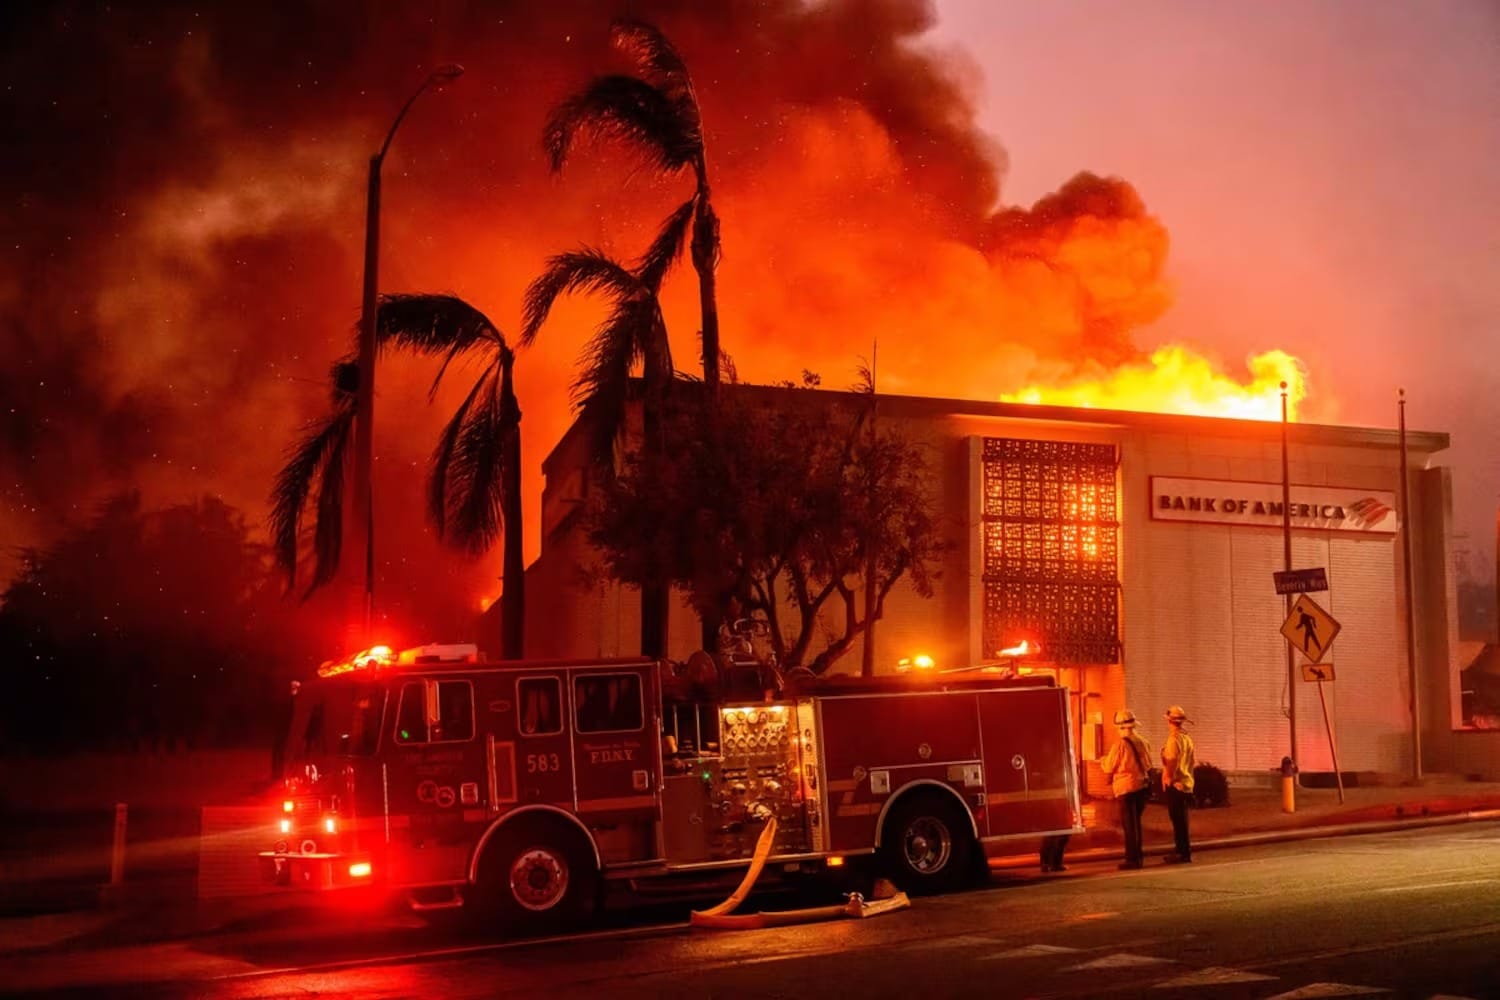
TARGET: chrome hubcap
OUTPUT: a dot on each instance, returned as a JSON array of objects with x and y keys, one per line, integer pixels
[
  {"x": 538, "y": 878},
  {"x": 928, "y": 845}
]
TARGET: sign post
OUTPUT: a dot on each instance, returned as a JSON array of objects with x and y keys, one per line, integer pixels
[{"x": 1322, "y": 673}]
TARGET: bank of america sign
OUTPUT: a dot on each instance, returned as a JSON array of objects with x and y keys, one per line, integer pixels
[{"x": 1322, "y": 508}]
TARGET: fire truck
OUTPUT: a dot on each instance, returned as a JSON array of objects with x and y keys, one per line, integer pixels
[{"x": 524, "y": 789}]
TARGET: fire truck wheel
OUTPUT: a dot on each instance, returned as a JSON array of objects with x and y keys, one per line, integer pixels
[
  {"x": 927, "y": 844},
  {"x": 537, "y": 877}
]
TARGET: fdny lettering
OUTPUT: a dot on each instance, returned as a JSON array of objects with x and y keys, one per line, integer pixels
[{"x": 611, "y": 755}]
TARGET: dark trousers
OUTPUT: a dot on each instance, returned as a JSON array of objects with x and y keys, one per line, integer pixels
[
  {"x": 1132, "y": 805},
  {"x": 1052, "y": 851},
  {"x": 1177, "y": 807}
]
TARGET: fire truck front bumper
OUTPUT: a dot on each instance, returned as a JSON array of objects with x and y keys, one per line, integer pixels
[{"x": 315, "y": 871}]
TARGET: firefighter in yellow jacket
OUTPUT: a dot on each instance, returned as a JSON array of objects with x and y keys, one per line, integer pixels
[
  {"x": 1128, "y": 771},
  {"x": 1177, "y": 783}
]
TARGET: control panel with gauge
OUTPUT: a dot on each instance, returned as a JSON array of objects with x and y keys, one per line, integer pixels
[{"x": 758, "y": 776}]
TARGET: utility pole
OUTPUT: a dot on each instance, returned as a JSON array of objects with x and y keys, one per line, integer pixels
[
  {"x": 1411, "y": 618},
  {"x": 1286, "y": 558},
  {"x": 364, "y": 415}
]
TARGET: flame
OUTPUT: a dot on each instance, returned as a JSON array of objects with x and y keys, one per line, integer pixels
[{"x": 1177, "y": 379}]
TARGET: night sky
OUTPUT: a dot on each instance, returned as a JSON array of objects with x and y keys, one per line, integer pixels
[{"x": 1000, "y": 194}]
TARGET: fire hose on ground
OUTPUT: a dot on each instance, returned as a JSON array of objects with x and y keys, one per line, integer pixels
[{"x": 722, "y": 917}]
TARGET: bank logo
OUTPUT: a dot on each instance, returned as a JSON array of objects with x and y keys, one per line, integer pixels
[{"x": 1368, "y": 512}]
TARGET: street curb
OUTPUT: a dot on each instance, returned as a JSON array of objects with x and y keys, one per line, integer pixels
[{"x": 1253, "y": 838}]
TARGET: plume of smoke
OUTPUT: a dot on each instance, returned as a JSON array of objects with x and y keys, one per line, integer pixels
[{"x": 188, "y": 220}]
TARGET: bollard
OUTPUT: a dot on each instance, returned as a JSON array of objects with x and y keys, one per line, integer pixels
[
  {"x": 1288, "y": 785},
  {"x": 117, "y": 854}
]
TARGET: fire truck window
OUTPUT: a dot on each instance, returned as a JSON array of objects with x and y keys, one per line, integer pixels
[
  {"x": 359, "y": 722},
  {"x": 540, "y": 699},
  {"x": 608, "y": 703},
  {"x": 455, "y": 712},
  {"x": 411, "y": 716}
]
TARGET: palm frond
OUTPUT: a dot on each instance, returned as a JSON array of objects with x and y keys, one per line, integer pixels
[
  {"x": 475, "y": 472},
  {"x": 328, "y": 534},
  {"x": 658, "y": 61},
  {"x": 442, "y": 457},
  {"x": 629, "y": 110},
  {"x": 434, "y": 324},
  {"x": 319, "y": 454},
  {"x": 667, "y": 247},
  {"x": 602, "y": 387},
  {"x": 585, "y": 270}
]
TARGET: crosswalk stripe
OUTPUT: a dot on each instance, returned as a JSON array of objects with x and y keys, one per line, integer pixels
[
  {"x": 1329, "y": 990},
  {"x": 1213, "y": 975},
  {"x": 1031, "y": 951},
  {"x": 1120, "y": 960}
]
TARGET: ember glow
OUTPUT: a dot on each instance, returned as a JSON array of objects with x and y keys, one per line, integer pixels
[
  {"x": 1177, "y": 379},
  {"x": 177, "y": 302}
]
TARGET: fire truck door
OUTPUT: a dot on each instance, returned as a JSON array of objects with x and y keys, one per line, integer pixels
[
  {"x": 538, "y": 767},
  {"x": 616, "y": 745},
  {"x": 435, "y": 778},
  {"x": 1029, "y": 787}
]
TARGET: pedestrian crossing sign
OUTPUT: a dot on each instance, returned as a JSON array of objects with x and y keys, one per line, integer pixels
[{"x": 1310, "y": 628}]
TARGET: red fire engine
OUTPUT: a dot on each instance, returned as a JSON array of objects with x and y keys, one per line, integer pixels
[{"x": 524, "y": 788}]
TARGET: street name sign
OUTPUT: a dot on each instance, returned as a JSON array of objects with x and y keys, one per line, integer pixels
[
  {"x": 1317, "y": 672},
  {"x": 1301, "y": 581},
  {"x": 1310, "y": 628}
]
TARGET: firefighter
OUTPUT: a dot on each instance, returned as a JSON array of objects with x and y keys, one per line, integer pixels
[
  {"x": 1177, "y": 783},
  {"x": 1129, "y": 780}
]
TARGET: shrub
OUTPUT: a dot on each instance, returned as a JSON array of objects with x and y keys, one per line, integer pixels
[{"x": 1210, "y": 787}]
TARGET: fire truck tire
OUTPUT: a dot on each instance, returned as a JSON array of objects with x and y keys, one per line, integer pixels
[
  {"x": 927, "y": 844},
  {"x": 536, "y": 876}
]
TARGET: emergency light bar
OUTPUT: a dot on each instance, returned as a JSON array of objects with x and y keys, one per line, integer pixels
[{"x": 382, "y": 656}]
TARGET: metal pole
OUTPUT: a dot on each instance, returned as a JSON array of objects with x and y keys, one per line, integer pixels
[
  {"x": 1333, "y": 749},
  {"x": 1286, "y": 558},
  {"x": 1411, "y": 618},
  {"x": 364, "y": 417}
]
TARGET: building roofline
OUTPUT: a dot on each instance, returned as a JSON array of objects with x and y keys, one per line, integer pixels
[{"x": 1427, "y": 442}]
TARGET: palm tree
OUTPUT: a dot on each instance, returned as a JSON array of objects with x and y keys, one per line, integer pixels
[
  {"x": 474, "y": 483},
  {"x": 656, "y": 111},
  {"x": 633, "y": 332}
]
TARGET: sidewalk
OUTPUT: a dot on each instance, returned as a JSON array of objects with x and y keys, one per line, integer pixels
[{"x": 1255, "y": 814}]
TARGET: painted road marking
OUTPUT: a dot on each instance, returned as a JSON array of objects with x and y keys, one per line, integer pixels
[
  {"x": 1213, "y": 975},
  {"x": 1329, "y": 990},
  {"x": 1437, "y": 885},
  {"x": 1119, "y": 960},
  {"x": 1030, "y": 951}
]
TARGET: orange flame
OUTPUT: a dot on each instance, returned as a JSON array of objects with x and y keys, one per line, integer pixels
[{"x": 1179, "y": 380}]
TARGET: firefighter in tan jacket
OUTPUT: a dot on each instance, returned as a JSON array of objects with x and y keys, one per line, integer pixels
[
  {"x": 1129, "y": 779},
  {"x": 1177, "y": 762}
]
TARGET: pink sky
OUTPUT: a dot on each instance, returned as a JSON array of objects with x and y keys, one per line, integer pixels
[{"x": 1329, "y": 173}]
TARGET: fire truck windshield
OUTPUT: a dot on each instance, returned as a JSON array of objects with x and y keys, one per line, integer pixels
[{"x": 344, "y": 718}]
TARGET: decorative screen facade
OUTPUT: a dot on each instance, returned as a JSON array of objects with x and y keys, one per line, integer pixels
[{"x": 1051, "y": 549}]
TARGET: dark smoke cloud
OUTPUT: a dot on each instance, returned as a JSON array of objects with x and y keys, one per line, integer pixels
[{"x": 185, "y": 215}]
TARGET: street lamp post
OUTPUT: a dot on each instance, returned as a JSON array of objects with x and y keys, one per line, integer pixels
[{"x": 364, "y": 436}]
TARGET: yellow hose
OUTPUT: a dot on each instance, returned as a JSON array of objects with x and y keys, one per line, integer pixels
[
  {"x": 762, "y": 852},
  {"x": 721, "y": 916}
]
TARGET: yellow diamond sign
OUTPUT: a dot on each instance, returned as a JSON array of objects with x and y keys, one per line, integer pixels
[{"x": 1310, "y": 628}]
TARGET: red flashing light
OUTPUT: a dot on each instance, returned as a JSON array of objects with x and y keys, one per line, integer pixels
[
  {"x": 288, "y": 805},
  {"x": 360, "y": 869}
]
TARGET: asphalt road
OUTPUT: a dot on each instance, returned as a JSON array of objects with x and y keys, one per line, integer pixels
[{"x": 1414, "y": 914}]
